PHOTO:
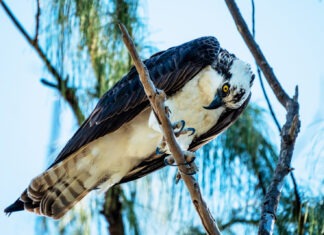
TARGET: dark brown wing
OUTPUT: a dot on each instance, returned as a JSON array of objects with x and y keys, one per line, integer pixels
[
  {"x": 170, "y": 70},
  {"x": 155, "y": 162}
]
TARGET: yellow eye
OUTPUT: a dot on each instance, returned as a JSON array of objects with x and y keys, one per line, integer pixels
[{"x": 225, "y": 88}]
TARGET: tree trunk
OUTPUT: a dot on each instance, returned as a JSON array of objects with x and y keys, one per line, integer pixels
[{"x": 112, "y": 211}]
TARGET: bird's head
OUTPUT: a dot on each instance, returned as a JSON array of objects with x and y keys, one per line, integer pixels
[{"x": 237, "y": 79}]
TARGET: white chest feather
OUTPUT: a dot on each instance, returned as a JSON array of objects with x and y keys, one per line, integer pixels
[{"x": 188, "y": 103}]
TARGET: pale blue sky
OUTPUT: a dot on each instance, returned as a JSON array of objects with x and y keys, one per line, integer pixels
[{"x": 290, "y": 32}]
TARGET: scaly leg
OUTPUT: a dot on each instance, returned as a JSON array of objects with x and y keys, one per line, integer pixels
[
  {"x": 179, "y": 129},
  {"x": 191, "y": 167}
]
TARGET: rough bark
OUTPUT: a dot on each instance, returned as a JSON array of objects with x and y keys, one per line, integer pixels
[{"x": 289, "y": 130}]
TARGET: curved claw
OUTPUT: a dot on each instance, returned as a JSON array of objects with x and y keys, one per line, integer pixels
[
  {"x": 180, "y": 124},
  {"x": 169, "y": 161},
  {"x": 190, "y": 160},
  {"x": 192, "y": 130}
]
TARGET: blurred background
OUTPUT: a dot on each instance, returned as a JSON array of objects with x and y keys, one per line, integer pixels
[{"x": 77, "y": 45}]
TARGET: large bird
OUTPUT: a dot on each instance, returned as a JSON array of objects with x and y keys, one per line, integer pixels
[{"x": 207, "y": 89}]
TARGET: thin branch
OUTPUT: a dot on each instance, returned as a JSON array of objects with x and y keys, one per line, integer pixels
[
  {"x": 157, "y": 98},
  {"x": 268, "y": 100},
  {"x": 49, "y": 84},
  {"x": 257, "y": 53},
  {"x": 37, "y": 22},
  {"x": 68, "y": 93},
  {"x": 260, "y": 76},
  {"x": 16, "y": 22},
  {"x": 296, "y": 191},
  {"x": 289, "y": 131},
  {"x": 253, "y": 18}
]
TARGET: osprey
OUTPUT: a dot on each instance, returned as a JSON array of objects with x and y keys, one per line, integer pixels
[{"x": 207, "y": 88}]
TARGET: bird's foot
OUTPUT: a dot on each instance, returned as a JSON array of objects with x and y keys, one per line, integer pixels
[
  {"x": 190, "y": 166},
  {"x": 180, "y": 129}
]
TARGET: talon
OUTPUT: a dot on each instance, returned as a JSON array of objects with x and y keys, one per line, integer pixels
[
  {"x": 179, "y": 125},
  {"x": 189, "y": 157},
  {"x": 192, "y": 130},
  {"x": 191, "y": 169},
  {"x": 169, "y": 160},
  {"x": 181, "y": 130}
]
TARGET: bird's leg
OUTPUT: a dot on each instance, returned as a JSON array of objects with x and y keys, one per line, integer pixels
[
  {"x": 180, "y": 129},
  {"x": 191, "y": 167},
  {"x": 162, "y": 148}
]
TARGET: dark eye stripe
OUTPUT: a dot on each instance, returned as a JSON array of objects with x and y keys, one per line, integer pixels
[{"x": 238, "y": 96}]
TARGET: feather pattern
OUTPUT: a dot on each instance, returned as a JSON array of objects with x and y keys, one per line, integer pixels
[
  {"x": 170, "y": 70},
  {"x": 84, "y": 164},
  {"x": 55, "y": 191}
]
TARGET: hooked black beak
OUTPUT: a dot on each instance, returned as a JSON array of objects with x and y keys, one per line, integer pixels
[{"x": 216, "y": 103}]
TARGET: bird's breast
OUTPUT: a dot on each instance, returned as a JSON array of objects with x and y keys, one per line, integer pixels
[{"x": 187, "y": 104}]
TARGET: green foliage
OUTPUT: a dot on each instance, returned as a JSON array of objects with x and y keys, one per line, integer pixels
[{"x": 82, "y": 40}]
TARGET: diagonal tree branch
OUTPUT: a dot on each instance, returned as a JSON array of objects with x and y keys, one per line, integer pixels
[
  {"x": 157, "y": 98},
  {"x": 257, "y": 53},
  {"x": 292, "y": 176},
  {"x": 68, "y": 93},
  {"x": 37, "y": 21},
  {"x": 260, "y": 76},
  {"x": 289, "y": 131}
]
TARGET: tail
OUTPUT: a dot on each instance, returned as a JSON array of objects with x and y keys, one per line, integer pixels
[
  {"x": 16, "y": 206},
  {"x": 58, "y": 189}
]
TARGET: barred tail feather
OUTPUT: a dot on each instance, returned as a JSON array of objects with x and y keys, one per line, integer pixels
[{"x": 58, "y": 189}]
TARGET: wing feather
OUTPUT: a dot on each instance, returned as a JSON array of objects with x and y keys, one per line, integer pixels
[{"x": 169, "y": 70}]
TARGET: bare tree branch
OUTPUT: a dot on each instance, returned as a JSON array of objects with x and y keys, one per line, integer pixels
[
  {"x": 157, "y": 98},
  {"x": 260, "y": 76},
  {"x": 68, "y": 93},
  {"x": 37, "y": 22},
  {"x": 257, "y": 53},
  {"x": 296, "y": 191},
  {"x": 112, "y": 211},
  {"x": 289, "y": 131}
]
